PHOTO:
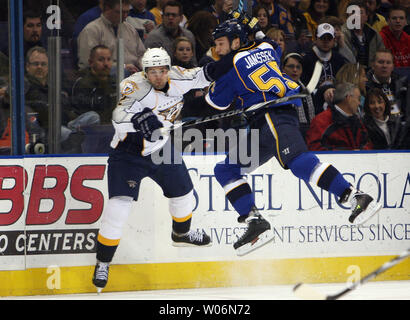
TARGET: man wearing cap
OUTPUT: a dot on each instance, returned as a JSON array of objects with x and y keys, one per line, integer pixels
[{"x": 323, "y": 50}]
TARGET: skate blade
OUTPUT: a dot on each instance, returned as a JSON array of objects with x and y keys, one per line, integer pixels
[
  {"x": 189, "y": 245},
  {"x": 262, "y": 239},
  {"x": 99, "y": 290},
  {"x": 370, "y": 211}
]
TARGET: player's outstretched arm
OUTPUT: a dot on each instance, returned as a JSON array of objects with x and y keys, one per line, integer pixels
[{"x": 216, "y": 69}]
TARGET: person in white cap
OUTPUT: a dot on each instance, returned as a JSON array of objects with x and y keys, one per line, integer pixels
[{"x": 323, "y": 50}]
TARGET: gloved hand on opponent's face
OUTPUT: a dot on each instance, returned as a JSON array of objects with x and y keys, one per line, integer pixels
[{"x": 146, "y": 122}]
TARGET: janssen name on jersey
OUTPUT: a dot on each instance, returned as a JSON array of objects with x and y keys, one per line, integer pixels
[{"x": 258, "y": 58}]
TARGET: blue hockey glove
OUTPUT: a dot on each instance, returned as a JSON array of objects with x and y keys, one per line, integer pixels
[{"x": 146, "y": 122}]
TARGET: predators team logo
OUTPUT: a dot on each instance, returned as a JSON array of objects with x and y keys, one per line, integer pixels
[
  {"x": 171, "y": 114},
  {"x": 129, "y": 88}
]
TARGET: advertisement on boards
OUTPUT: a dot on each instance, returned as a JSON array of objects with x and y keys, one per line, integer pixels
[{"x": 51, "y": 208}]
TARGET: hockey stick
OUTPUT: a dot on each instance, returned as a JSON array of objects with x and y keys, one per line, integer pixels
[
  {"x": 309, "y": 89},
  {"x": 307, "y": 292}
]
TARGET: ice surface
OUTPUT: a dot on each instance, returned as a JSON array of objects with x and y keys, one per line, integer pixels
[{"x": 375, "y": 290}]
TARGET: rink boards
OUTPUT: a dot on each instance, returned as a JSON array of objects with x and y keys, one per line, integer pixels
[{"x": 51, "y": 207}]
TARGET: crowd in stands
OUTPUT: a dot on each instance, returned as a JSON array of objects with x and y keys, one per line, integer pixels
[{"x": 362, "y": 100}]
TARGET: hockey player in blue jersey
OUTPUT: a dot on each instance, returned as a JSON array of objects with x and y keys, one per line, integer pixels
[{"x": 255, "y": 77}]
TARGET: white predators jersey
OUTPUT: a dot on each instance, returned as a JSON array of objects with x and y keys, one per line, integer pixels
[{"x": 137, "y": 94}]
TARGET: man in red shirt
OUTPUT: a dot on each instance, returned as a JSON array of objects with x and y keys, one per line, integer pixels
[
  {"x": 339, "y": 127},
  {"x": 395, "y": 38}
]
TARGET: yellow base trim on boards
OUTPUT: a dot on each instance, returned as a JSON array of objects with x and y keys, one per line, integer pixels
[{"x": 160, "y": 276}]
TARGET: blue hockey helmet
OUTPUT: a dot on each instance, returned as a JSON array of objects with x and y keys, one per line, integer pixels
[{"x": 232, "y": 29}]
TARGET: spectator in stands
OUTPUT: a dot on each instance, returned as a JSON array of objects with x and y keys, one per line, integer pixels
[
  {"x": 363, "y": 42},
  {"x": 157, "y": 11},
  {"x": 142, "y": 19},
  {"x": 87, "y": 17},
  {"x": 278, "y": 36},
  {"x": 32, "y": 30},
  {"x": 66, "y": 20},
  {"x": 165, "y": 34},
  {"x": 406, "y": 5},
  {"x": 36, "y": 97},
  {"x": 139, "y": 10},
  {"x": 36, "y": 83},
  {"x": 323, "y": 50},
  {"x": 95, "y": 89},
  {"x": 340, "y": 45},
  {"x": 36, "y": 92},
  {"x": 375, "y": 20},
  {"x": 292, "y": 66},
  {"x": 339, "y": 127},
  {"x": 396, "y": 88},
  {"x": 262, "y": 14},
  {"x": 355, "y": 74},
  {"x": 317, "y": 10},
  {"x": 84, "y": 19},
  {"x": 201, "y": 24},
  {"x": 270, "y": 5},
  {"x": 385, "y": 130},
  {"x": 395, "y": 39},
  {"x": 183, "y": 53},
  {"x": 103, "y": 31},
  {"x": 293, "y": 23}
]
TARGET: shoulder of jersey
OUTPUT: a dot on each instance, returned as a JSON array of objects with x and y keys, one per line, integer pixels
[
  {"x": 179, "y": 73},
  {"x": 135, "y": 86},
  {"x": 263, "y": 45}
]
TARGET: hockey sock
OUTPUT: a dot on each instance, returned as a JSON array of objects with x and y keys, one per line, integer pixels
[
  {"x": 181, "y": 209},
  {"x": 307, "y": 167},
  {"x": 330, "y": 179},
  {"x": 181, "y": 225},
  {"x": 240, "y": 195},
  {"x": 114, "y": 217},
  {"x": 106, "y": 248}
]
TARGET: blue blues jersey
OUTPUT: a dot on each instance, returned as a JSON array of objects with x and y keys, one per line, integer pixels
[{"x": 254, "y": 78}]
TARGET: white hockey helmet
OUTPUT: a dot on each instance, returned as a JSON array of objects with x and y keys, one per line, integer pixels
[{"x": 155, "y": 57}]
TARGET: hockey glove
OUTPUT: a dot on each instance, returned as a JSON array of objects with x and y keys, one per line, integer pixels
[
  {"x": 146, "y": 122},
  {"x": 251, "y": 23}
]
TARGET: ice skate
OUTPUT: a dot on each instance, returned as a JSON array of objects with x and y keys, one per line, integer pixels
[
  {"x": 256, "y": 235},
  {"x": 191, "y": 239},
  {"x": 100, "y": 277},
  {"x": 363, "y": 207}
]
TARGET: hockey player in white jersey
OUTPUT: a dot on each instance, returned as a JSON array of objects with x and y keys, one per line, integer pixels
[{"x": 150, "y": 100}]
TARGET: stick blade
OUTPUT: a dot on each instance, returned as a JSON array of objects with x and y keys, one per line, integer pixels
[{"x": 306, "y": 292}]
